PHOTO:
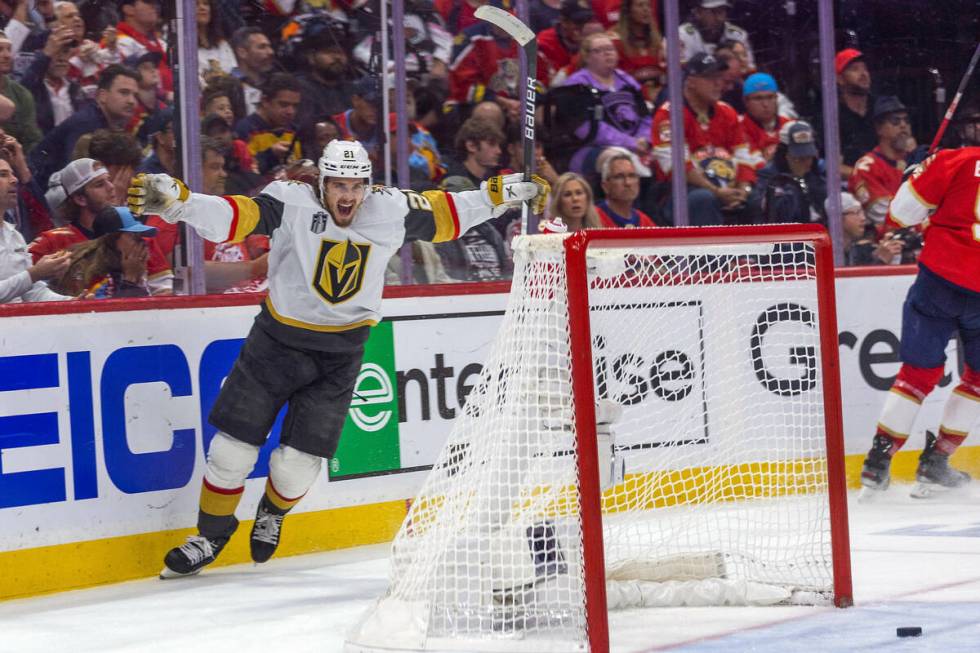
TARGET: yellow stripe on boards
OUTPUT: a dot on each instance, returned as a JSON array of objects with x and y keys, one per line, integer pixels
[{"x": 43, "y": 570}]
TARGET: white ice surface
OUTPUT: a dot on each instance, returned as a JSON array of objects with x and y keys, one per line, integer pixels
[{"x": 915, "y": 563}]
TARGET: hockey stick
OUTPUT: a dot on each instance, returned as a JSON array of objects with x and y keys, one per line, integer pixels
[
  {"x": 527, "y": 40},
  {"x": 956, "y": 100}
]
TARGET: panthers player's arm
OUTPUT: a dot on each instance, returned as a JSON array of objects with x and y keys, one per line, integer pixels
[
  {"x": 438, "y": 216},
  {"x": 233, "y": 217}
]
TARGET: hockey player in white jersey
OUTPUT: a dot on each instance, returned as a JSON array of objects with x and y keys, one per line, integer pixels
[{"x": 330, "y": 247}]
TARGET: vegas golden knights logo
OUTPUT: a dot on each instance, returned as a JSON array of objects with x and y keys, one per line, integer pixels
[{"x": 340, "y": 269}]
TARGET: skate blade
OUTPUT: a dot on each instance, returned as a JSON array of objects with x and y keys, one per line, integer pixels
[
  {"x": 869, "y": 495},
  {"x": 168, "y": 574},
  {"x": 928, "y": 490}
]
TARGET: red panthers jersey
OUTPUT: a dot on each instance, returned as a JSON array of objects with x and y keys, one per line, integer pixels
[
  {"x": 876, "y": 178},
  {"x": 948, "y": 184},
  {"x": 760, "y": 139},
  {"x": 716, "y": 135}
]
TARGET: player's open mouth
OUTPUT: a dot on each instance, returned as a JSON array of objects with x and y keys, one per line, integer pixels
[{"x": 345, "y": 210}]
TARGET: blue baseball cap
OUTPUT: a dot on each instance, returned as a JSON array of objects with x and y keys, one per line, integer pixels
[
  {"x": 113, "y": 219},
  {"x": 759, "y": 83}
]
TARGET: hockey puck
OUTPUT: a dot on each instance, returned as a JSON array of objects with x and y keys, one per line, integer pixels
[{"x": 909, "y": 631}]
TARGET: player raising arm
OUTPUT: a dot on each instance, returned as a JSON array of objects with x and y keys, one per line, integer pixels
[
  {"x": 944, "y": 298},
  {"x": 330, "y": 246}
]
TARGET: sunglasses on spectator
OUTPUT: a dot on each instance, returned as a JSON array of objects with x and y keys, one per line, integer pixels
[{"x": 895, "y": 121}]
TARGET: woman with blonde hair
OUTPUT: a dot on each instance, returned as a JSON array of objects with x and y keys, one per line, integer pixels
[{"x": 572, "y": 201}]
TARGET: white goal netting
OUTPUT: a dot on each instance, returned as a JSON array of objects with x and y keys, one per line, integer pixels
[{"x": 711, "y": 449}]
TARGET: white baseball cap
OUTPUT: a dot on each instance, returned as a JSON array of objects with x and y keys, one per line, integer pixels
[{"x": 77, "y": 174}]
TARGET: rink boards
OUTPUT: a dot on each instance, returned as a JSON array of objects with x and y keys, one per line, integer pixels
[{"x": 103, "y": 421}]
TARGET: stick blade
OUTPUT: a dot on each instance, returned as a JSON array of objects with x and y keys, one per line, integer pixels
[{"x": 507, "y": 22}]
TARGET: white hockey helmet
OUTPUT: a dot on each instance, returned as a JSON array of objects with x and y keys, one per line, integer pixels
[{"x": 344, "y": 159}]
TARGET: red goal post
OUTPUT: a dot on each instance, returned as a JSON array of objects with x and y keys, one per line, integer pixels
[{"x": 576, "y": 247}]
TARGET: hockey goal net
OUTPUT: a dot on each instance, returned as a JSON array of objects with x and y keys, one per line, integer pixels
[{"x": 658, "y": 424}]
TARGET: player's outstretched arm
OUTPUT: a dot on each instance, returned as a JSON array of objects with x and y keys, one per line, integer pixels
[
  {"x": 439, "y": 216},
  {"x": 215, "y": 218}
]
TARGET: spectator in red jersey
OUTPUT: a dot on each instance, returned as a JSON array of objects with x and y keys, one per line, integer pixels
[
  {"x": 559, "y": 44},
  {"x": 484, "y": 66},
  {"x": 638, "y": 41},
  {"x": 89, "y": 189},
  {"x": 138, "y": 35},
  {"x": 711, "y": 132},
  {"x": 114, "y": 262},
  {"x": 878, "y": 174},
  {"x": 88, "y": 59},
  {"x": 761, "y": 121},
  {"x": 621, "y": 184},
  {"x": 458, "y": 14}
]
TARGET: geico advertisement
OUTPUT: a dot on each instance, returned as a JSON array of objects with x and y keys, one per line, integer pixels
[{"x": 103, "y": 417}]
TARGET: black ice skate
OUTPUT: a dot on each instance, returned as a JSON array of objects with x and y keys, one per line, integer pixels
[
  {"x": 875, "y": 475},
  {"x": 934, "y": 474},
  {"x": 192, "y": 556},
  {"x": 266, "y": 531}
]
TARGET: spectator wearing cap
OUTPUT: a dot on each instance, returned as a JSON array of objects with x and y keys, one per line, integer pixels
[
  {"x": 159, "y": 132},
  {"x": 89, "y": 188},
  {"x": 21, "y": 279},
  {"x": 114, "y": 262},
  {"x": 56, "y": 97},
  {"x": 967, "y": 124},
  {"x": 150, "y": 97},
  {"x": 138, "y": 34},
  {"x": 256, "y": 59},
  {"x": 270, "y": 132},
  {"x": 878, "y": 174},
  {"x": 23, "y": 124},
  {"x": 559, "y": 44},
  {"x": 855, "y": 109},
  {"x": 215, "y": 55},
  {"x": 625, "y": 120},
  {"x": 712, "y": 134},
  {"x": 113, "y": 108},
  {"x": 761, "y": 120},
  {"x": 860, "y": 238},
  {"x": 792, "y": 187},
  {"x": 708, "y": 27}
]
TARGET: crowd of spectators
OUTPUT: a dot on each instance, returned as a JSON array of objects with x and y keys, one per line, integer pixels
[{"x": 87, "y": 100}]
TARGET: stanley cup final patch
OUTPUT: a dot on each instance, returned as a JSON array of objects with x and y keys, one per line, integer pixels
[
  {"x": 319, "y": 222},
  {"x": 340, "y": 269}
]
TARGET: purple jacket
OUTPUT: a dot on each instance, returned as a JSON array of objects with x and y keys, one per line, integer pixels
[{"x": 622, "y": 123}]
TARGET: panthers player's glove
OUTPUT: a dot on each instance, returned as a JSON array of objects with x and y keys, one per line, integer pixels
[
  {"x": 161, "y": 194},
  {"x": 509, "y": 191}
]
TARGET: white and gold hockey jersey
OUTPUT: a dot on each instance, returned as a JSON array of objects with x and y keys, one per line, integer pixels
[{"x": 324, "y": 278}]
